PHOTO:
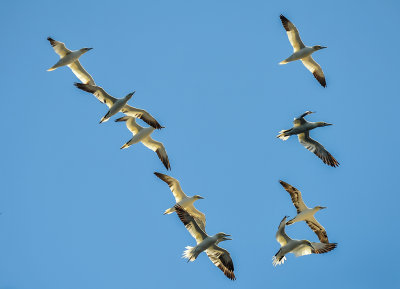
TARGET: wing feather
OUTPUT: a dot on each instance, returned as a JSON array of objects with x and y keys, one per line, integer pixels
[
  {"x": 293, "y": 34},
  {"x": 142, "y": 114},
  {"x": 315, "y": 69},
  {"x": 320, "y": 248},
  {"x": 59, "y": 47},
  {"x": 81, "y": 73},
  {"x": 98, "y": 92},
  {"x": 318, "y": 230},
  {"x": 190, "y": 224},
  {"x": 174, "y": 185},
  {"x": 222, "y": 259},
  {"x": 281, "y": 236},
  {"x": 295, "y": 194},
  {"x": 159, "y": 148},
  {"x": 317, "y": 149}
]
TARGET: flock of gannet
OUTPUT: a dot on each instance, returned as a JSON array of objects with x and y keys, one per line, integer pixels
[{"x": 193, "y": 219}]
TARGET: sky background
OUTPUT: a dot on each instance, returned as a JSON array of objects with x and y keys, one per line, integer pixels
[{"x": 77, "y": 212}]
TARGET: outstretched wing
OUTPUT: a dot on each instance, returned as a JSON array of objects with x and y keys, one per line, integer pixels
[
  {"x": 222, "y": 259},
  {"x": 293, "y": 34},
  {"x": 317, "y": 149},
  {"x": 318, "y": 229},
  {"x": 199, "y": 217},
  {"x": 320, "y": 248},
  {"x": 281, "y": 236},
  {"x": 295, "y": 194},
  {"x": 81, "y": 73},
  {"x": 98, "y": 92},
  {"x": 174, "y": 185},
  {"x": 190, "y": 224},
  {"x": 142, "y": 114},
  {"x": 59, "y": 47},
  {"x": 159, "y": 148},
  {"x": 315, "y": 69}
]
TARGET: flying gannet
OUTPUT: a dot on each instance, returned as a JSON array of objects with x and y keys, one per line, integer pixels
[
  {"x": 301, "y": 127},
  {"x": 297, "y": 247},
  {"x": 71, "y": 59},
  {"x": 183, "y": 200},
  {"x": 302, "y": 52},
  {"x": 304, "y": 213},
  {"x": 115, "y": 105},
  {"x": 219, "y": 256},
  {"x": 141, "y": 134}
]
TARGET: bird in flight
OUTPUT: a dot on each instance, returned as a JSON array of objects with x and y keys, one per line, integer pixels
[
  {"x": 302, "y": 52},
  {"x": 297, "y": 247},
  {"x": 301, "y": 128},
  {"x": 219, "y": 256},
  {"x": 71, "y": 59}
]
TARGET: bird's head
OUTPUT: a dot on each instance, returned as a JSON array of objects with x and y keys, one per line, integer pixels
[
  {"x": 318, "y": 47},
  {"x": 223, "y": 237},
  {"x": 321, "y": 123},
  {"x": 129, "y": 95},
  {"x": 85, "y": 49},
  {"x": 197, "y": 197},
  {"x": 319, "y": 208}
]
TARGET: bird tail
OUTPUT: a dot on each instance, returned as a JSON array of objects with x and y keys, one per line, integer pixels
[
  {"x": 105, "y": 118},
  {"x": 278, "y": 259},
  {"x": 282, "y": 134},
  {"x": 51, "y": 68},
  {"x": 190, "y": 253},
  {"x": 169, "y": 211},
  {"x": 283, "y": 62}
]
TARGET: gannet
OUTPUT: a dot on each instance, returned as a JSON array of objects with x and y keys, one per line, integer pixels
[
  {"x": 301, "y": 127},
  {"x": 297, "y": 247},
  {"x": 219, "y": 256},
  {"x": 183, "y": 200},
  {"x": 141, "y": 134},
  {"x": 304, "y": 213},
  {"x": 71, "y": 59},
  {"x": 302, "y": 52},
  {"x": 114, "y": 105}
]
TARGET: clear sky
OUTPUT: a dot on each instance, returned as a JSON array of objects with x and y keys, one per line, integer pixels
[{"x": 77, "y": 212}]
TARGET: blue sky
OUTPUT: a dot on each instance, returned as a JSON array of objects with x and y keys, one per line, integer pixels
[{"x": 77, "y": 212}]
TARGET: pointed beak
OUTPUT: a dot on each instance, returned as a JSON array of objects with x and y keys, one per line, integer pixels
[
  {"x": 322, "y": 47},
  {"x": 324, "y": 208},
  {"x": 225, "y": 237},
  {"x": 328, "y": 124},
  {"x": 89, "y": 49},
  {"x": 200, "y": 197}
]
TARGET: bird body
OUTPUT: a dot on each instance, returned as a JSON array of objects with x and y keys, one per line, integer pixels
[
  {"x": 117, "y": 106},
  {"x": 297, "y": 247},
  {"x": 300, "y": 54},
  {"x": 71, "y": 59},
  {"x": 304, "y": 215},
  {"x": 186, "y": 202}
]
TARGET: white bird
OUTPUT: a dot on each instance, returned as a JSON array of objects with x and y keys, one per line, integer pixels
[
  {"x": 115, "y": 105},
  {"x": 305, "y": 213},
  {"x": 183, "y": 200},
  {"x": 141, "y": 134},
  {"x": 71, "y": 59},
  {"x": 301, "y": 127},
  {"x": 302, "y": 52},
  {"x": 219, "y": 256},
  {"x": 297, "y": 247}
]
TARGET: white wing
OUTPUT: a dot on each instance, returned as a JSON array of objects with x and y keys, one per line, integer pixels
[
  {"x": 317, "y": 149},
  {"x": 222, "y": 259},
  {"x": 98, "y": 92},
  {"x": 173, "y": 185},
  {"x": 292, "y": 33},
  {"x": 199, "y": 216},
  {"x": 302, "y": 250},
  {"x": 81, "y": 73},
  {"x": 59, "y": 47},
  {"x": 295, "y": 194},
  {"x": 315, "y": 69},
  {"x": 281, "y": 236},
  {"x": 159, "y": 148}
]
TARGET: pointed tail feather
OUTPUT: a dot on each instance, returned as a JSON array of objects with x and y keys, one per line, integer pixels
[
  {"x": 169, "y": 211},
  {"x": 51, "y": 68}
]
